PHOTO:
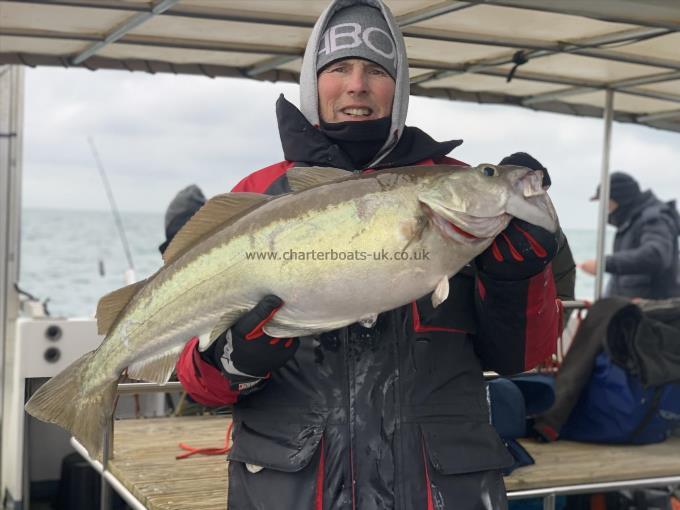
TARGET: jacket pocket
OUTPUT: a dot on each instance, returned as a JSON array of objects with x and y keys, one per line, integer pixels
[
  {"x": 287, "y": 447},
  {"x": 464, "y": 447}
]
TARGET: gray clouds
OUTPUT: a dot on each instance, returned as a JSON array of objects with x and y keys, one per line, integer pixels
[{"x": 157, "y": 134}]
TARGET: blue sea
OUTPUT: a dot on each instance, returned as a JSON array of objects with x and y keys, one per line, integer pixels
[{"x": 63, "y": 253}]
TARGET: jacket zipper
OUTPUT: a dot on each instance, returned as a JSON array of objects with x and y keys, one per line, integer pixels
[
  {"x": 349, "y": 367},
  {"x": 399, "y": 334}
]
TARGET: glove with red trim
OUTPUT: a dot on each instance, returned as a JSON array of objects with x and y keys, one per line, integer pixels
[
  {"x": 522, "y": 250},
  {"x": 244, "y": 352}
]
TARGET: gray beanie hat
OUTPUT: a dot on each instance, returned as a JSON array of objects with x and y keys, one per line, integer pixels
[{"x": 359, "y": 31}]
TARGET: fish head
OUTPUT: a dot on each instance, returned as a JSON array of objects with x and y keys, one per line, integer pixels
[{"x": 476, "y": 203}]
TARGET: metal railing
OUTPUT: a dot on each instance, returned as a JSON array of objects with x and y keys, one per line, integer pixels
[{"x": 108, "y": 480}]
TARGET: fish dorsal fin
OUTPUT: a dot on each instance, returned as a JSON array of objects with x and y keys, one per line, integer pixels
[
  {"x": 302, "y": 178},
  {"x": 110, "y": 306},
  {"x": 216, "y": 211}
]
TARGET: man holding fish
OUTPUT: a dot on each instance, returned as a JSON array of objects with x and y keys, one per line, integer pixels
[
  {"x": 356, "y": 382},
  {"x": 390, "y": 412}
]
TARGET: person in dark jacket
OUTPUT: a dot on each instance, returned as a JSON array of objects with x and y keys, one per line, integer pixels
[
  {"x": 644, "y": 262},
  {"x": 391, "y": 414},
  {"x": 182, "y": 207}
]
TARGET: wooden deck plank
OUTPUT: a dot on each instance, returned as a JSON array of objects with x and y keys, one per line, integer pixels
[
  {"x": 144, "y": 461},
  {"x": 569, "y": 463}
]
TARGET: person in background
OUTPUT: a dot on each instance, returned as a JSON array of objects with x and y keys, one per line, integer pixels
[
  {"x": 181, "y": 209},
  {"x": 644, "y": 262},
  {"x": 393, "y": 415}
]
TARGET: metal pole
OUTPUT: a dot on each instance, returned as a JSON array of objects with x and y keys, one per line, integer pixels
[
  {"x": 11, "y": 136},
  {"x": 603, "y": 208},
  {"x": 549, "y": 502},
  {"x": 107, "y": 453},
  {"x": 137, "y": 388}
]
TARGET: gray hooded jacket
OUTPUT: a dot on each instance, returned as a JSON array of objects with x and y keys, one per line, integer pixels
[{"x": 309, "y": 102}]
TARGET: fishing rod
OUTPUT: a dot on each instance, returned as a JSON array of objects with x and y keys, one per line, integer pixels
[{"x": 130, "y": 273}]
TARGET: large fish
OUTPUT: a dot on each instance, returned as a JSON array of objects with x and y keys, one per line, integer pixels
[{"x": 340, "y": 248}]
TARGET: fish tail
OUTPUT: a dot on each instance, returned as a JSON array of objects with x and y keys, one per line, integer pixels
[{"x": 84, "y": 414}]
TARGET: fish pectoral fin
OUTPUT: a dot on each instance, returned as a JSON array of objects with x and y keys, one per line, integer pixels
[
  {"x": 226, "y": 321},
  {"x": 111, "y": 305},
  {"x": 157, "y": 368},
  {"x": 203, "y": 342},
  {"x": 302, "y": 178},
  {"x": 283, "y": 331},
  {"x": 216, "y": 212},
  {"x": 441, "y": 292},
  {"x": 369, "y": 321}
]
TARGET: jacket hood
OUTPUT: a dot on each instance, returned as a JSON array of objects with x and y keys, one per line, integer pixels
[
  {"x": 306, "y": 144},
  {"x": 309, "y": 103},
  {"x": 672, "y": 211},
  {"x": 648, "y": 206}
]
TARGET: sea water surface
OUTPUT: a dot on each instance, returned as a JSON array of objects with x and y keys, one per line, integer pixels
[{"x": 63, "y": 252}]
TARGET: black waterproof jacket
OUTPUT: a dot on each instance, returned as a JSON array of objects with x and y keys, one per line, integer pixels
[
  {"x": 392, "y": 417},
  {"x": 644, "y": 262}
]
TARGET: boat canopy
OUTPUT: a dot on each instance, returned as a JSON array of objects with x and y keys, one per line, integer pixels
[{"x": 557, "y": 56}]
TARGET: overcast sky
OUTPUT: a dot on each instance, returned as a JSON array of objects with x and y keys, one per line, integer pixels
[{"x": 157, "y": 134}]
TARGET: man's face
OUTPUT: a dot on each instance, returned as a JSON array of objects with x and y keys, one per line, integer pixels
[
  {"x": 354, "y": 90},
  {"x": 613, "y": 205}
]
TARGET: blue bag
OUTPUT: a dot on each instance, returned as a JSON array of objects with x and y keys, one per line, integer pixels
[{"x": 614, "y": 407}]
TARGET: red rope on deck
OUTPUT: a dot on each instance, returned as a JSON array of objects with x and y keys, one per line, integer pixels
[{"x": 206, "y": 451}]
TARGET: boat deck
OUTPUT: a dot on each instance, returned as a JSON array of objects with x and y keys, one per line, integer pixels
[{"x": 144, "y": 462}]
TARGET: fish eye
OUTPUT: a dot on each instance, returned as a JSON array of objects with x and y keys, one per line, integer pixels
[{"x": 489, "y": 171}]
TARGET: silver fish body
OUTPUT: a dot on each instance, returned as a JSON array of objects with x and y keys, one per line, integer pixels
[{"x": 336, "y": 253}]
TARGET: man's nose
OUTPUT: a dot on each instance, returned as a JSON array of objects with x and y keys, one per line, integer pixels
[{"x": 358, "y": 81}]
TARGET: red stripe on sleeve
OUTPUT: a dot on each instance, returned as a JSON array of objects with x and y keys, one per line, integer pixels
[
  {"x": 259, "y": 181},
  {"x": 542, "y": 319},
  {"x": 201, "y": 380}
]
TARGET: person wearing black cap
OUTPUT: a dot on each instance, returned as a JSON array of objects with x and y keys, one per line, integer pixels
[
  {"x": 391, "y": 415},
  {"x": 644, "y": 262},
  {"x": 182, "y": 207}
]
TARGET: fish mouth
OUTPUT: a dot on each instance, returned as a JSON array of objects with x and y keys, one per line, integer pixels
[
  {"x": 531, "y": 202},
  {"x": 531, "y": 184}
]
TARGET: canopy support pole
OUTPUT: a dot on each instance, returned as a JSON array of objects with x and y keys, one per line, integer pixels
[
  {"x": 11, "y": 131},
  {"x": 603, "y": 209}
]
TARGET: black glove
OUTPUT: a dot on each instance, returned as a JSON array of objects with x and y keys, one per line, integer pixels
[
  {"x": 521, "y": 251},
  {"x": 245, "y": 351}
]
